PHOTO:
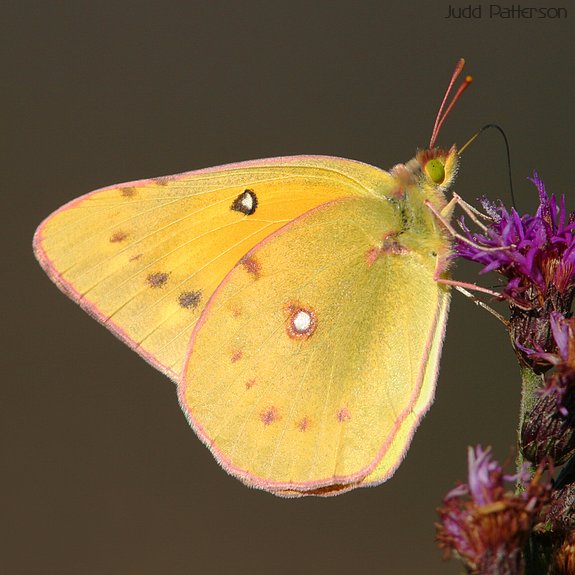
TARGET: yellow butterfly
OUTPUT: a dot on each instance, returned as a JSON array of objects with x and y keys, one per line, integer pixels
[{"x": 299, "y": 303}]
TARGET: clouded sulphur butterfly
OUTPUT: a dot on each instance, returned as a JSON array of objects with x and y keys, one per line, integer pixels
[{"x": 295, "y": 301}]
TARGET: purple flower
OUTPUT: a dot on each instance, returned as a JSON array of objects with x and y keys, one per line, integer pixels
[
  {"x": 535, "y": 253},
  {"x": 486, "y": 525},
  {"x": 563, "y": 332},
  {"x": 536, "y": 256}
]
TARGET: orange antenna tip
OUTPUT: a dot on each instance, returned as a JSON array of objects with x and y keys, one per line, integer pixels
[{"x": 443, "y": 110}]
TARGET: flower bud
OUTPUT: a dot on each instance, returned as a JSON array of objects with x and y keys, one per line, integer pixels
[
  {"x": 486, "y": 525},
  {"x": 560, "y": 515},
  {"x": 549, "y": 428}
]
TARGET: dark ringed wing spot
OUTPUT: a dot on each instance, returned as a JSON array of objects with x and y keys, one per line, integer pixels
[
  {"x": 246, "y": 203},
  {"x": 301, "y": 321}
]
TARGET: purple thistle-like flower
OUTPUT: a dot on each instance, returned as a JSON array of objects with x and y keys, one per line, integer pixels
[
  {"x": 563, "y": 354},
  {"x": 486, "y": 525},
  {"x": 561, "y": 382},
  {"x": 563, "y": 331},
  {"x": 535, "y": 253},
  {"x": 483, "y": 522}
]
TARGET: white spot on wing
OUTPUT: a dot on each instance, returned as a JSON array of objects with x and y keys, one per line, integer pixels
[
  {"x": 302, "y": 321},
  {"x": 247, "y": 202}
]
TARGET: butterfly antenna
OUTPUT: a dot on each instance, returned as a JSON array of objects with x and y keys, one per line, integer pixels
[
  {"x": 441, "y": 115},
  {"x": 507, "y": 150}
]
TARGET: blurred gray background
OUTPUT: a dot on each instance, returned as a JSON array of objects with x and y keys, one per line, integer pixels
[{"x": 100, "y": 472}]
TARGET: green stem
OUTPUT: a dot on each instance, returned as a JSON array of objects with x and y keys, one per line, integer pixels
[
  {"x": 530, "y": 382},
  {"x": 537, "y": 551}
]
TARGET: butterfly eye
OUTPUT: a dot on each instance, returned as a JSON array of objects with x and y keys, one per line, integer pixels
[{"x": 435, "y": 170}]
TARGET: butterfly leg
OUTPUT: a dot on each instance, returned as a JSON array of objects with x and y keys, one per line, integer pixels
[
  {"x": 472, "y": 212},
  {"x": 443, "y": 216},
  {"x": 465, "y": 285},
  {"x": 478, "y": 302},
  {"x": 445, "y": 213}
]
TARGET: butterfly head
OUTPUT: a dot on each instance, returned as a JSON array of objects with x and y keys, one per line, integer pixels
[
  {"x": 438, "y": 167},
  {"x": 432, "y": 168}
]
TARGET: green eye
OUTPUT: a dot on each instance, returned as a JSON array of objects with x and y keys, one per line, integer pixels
[{"x": 434, "y": 169}]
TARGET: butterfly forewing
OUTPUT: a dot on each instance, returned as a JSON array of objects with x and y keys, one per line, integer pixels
[{"x": 144, "y": 257}]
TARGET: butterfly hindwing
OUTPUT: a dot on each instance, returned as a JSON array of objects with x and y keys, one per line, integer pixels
[{"x": 316, "y": 357}]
